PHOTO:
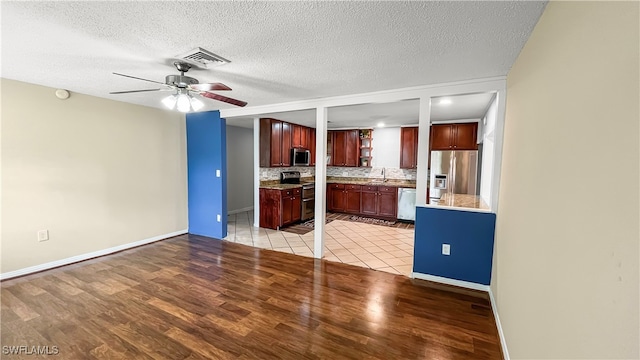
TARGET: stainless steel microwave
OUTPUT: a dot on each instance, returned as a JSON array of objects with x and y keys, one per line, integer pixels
[{"x": 300, "y": 157}]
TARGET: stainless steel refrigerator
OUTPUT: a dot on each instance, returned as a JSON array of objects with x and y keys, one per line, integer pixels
[{"x": 453, "y": 172}]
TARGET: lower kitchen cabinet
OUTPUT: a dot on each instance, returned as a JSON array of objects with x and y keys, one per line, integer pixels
[
  {"x": 387, "y": 201},
  {"x": 365, "y": 200},
  {"x": 369, "y": 203},
  {"x": 343, "y": 198},
  {"x": 280, "y": 207},
  {"x": 336, "y": 198},
  {"x": 352, "y": 199},
  {"x": 379, "y": 201}
]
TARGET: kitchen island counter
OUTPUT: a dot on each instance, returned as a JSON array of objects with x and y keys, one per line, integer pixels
[{"x": 462, "y": 201}]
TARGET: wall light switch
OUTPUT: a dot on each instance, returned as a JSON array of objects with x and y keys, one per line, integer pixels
[
  {"x": 217, "y": 172},
  {"x": 43, "y": 235},
  {"x": 446, "y": 249},
  {"x": 218, "y": 218}
]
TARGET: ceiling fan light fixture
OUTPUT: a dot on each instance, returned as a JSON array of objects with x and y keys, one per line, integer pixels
[
  {"x": 196, "y": 104},
  {"x": 183, "y": 103},
  {"x": 170, "y": 101},
  {"x": 183, "y": 99}
]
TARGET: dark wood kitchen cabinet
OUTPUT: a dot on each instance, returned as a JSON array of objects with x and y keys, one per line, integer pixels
[
  {"x": 335, "y": 197},
  {"x": 343, "y": 198},
  {"x": 387, "y": 201},
  {"x": 345, "y": 148},
  {"x": 312, "y": 146},
  {"x": 408, "y": 147},
  {"x": 280, "y": 207},
  {"x": 275, "y": 143},
  {"x": 369, "y": 203},
  {"x": 454, "y": 136},
  {"x": 300, "y": 137},
  {"x": 352, "y": 199},
  {"x": 291, "y": 208},
  {"x": 379, "y": 201}
]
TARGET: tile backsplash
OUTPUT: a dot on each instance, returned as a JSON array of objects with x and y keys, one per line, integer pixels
[
  {"x": 274, "y": 173},
  {"x": 374, "y": 173}
]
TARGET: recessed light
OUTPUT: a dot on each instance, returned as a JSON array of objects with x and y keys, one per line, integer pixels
[
  {"x": 380, "y": 124},
  {"x": 445, "y": 101}
]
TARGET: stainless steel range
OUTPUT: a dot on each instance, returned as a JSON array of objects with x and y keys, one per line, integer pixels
[{"x": 308, "y": 193}]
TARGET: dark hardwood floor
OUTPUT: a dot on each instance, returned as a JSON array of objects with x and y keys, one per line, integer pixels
[{"x": 193, "y": 297}]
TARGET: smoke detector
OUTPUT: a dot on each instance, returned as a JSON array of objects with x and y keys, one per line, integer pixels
[{"x": 203, "y": 58}]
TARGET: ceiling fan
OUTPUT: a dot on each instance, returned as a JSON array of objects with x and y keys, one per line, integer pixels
[{"x": 183, "y": 87}]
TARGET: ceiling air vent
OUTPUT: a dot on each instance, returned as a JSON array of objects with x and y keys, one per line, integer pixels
[{"x": 203, "y": 58}]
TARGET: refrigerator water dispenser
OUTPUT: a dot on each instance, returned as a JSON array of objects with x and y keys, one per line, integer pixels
[{"x": 440, "y": 182}]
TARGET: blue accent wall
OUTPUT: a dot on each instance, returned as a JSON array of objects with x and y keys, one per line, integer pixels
[
  {"x": 470, "y": 235},
  {"x": 207, "y": 194}
]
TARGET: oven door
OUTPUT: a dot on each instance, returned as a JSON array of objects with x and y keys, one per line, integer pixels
[
  {"x": 308, "y": 191},
  {"x": 308, "y": 208}
]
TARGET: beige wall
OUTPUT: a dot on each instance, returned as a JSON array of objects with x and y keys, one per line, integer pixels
[
  {"x": 567, "y": 232},
  {"x": 96, "y": 173}
]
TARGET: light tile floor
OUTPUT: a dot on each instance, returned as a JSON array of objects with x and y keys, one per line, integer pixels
[{"x": 374, "y": 246}]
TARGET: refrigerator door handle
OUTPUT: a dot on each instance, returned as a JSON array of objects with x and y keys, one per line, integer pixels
[{"x": 453, "y": 173}]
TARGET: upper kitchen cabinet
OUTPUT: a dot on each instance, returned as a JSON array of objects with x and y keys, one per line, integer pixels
[
  {"x": 345, "y": 148},
  {"x": 408, "y": 147},
  {"x": 454, "y": 136},
  {"x": 301, "y": 137},
  {"x": 312, "y": 146},
  {"x": 275, "y": 143}
]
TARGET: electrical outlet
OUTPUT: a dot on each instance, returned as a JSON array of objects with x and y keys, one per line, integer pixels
[
  {"x": 218, "y": 218},
  {"x": 446, "y": 249},
  {"x": 217, "y": 172},
  {"x": 43, "y": 235}
]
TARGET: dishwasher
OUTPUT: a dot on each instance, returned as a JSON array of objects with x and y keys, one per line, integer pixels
[{"x": 406, "y": 204}]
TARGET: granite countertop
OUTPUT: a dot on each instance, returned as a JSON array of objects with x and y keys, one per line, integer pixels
[
  {"x": 369, "y": 181},
  {"x": 275, "y": 184},
  {"x": 279, "y": 186},
  {"x": 463, "y": 201}
]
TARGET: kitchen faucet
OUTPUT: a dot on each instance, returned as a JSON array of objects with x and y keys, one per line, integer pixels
[{"x": 384, "y": 175}]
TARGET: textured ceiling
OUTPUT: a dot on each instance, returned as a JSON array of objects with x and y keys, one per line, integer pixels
[{"x": 279, "y": 51}]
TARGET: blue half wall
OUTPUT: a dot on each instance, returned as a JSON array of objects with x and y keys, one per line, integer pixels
[
  {"x": 207, "y": 194},
  {"x": 470, "y": 235}
]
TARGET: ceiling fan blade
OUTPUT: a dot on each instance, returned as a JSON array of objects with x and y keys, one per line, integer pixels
[
  {"x": 210, "y": 86},
  {"x": 223, "y": 98},
  {"x": 133, "y": 77},
  {"x": 133, "y": 91}
]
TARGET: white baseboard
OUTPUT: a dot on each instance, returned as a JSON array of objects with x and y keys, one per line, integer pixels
[
  {"x": 240, "y": 210},
  {"x": 503, "y": 341},
  {"x": 87, "y": 256},
  {"x": 444, "y": 280}
]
